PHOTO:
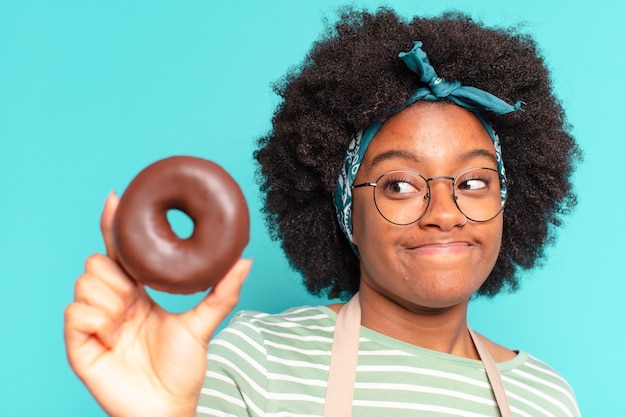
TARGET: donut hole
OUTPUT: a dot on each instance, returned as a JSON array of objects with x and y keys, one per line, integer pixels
[{"x": 181, "y": 224}]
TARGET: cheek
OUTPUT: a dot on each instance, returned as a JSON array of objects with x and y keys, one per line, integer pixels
[
  {"x": 366, "y": 227},
  {"x": 495, "y": 238}
]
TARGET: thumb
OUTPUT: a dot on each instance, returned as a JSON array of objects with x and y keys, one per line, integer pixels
[
  {"x": 203, "y": 319},
  {"x": 106, "y": 223}
]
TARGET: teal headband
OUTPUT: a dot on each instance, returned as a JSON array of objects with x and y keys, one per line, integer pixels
[{"x": 435, "y": 88}]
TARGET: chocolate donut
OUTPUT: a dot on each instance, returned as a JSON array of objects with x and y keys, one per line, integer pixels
[{"x": 147, "y": 247}]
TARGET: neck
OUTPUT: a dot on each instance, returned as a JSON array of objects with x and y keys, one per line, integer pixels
[{"x": 440, "y": 329}]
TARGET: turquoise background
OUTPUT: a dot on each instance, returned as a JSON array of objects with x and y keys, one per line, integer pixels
[{"x": 93, "y": 91}]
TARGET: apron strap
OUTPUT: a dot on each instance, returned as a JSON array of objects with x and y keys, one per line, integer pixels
[
  {"x": 493, "y": 374},
  {"x": 345, "y": 354},
  {"x": 343, "y": 360}
]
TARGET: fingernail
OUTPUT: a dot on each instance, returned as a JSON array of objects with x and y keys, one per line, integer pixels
[{"x": 112, "y": 196}]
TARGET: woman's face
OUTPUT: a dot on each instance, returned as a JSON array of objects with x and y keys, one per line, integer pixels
[{"x": 436, "y": 262}]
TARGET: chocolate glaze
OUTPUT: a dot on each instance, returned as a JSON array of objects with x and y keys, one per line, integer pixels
[{"x": 148, "y": 249}]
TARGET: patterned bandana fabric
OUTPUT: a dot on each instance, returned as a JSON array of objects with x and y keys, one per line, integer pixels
[{"x": 435, "y": 88}]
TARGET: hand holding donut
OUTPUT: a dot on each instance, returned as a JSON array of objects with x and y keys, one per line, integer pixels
[{"x": 134, "y": 357}]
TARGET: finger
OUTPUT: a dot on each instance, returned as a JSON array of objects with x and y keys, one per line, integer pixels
[
  {"x": 90, "y": 290},
  {"x": 105, "y": 286},
  {"x": 88, "y": 332},
  {"x": 224, "y": 296},
  {"x": 106, "y": 223},
  {"x": 102, "y": 272}
]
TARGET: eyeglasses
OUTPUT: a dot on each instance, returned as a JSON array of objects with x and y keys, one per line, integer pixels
[{"x": 402, "y": 197}]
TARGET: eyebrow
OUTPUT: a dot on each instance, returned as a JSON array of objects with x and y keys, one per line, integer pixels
[
  {"x": 393, "y": 154},
  {"x": 409, "y": 156},
  {"x": 477, "y": 153}
]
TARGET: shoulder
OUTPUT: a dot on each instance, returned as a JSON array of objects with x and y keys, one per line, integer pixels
[
  {"x": 541, "y": 386},
  {"x": 532, "y": 384},
  {"x": 536, "y": 373},
  {"x": 498, "y": 352},
  {"x": 305, "y": 317},
  {"x": 305, "y": 321},
  {"x": 253, "y": 340},
  {"x": 523, "y": 364},
  {"x": 292, "y": 344}
]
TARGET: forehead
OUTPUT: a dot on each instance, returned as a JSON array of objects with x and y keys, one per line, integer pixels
[{"x": 431, "y": 133}]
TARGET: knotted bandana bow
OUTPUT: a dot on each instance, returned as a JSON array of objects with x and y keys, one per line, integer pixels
[{"x": 435, "y": 89}]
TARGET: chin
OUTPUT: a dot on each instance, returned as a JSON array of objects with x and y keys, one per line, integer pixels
[
  {"x": 439, "y": 301},
  {"x": 443, "y": 296}
]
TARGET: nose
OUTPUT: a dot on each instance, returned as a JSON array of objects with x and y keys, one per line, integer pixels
[{"x": 442, "y": 210}]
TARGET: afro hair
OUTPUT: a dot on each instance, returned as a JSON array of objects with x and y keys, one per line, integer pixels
[{"x": 352, "y": 77}]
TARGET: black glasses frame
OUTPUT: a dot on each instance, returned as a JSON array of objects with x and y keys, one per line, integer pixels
[{"x": 427, "y": 195}]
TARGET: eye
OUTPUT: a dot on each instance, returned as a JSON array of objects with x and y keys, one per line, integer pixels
[
  {"x": 477, "y": 182},
  {"x": 474, "y": 184},
  {"x": 401, "y": 186}
]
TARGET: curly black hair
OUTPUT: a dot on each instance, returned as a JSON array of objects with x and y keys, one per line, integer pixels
[{"x": 352, "y": 77}]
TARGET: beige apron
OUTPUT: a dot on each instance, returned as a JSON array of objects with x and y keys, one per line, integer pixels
[{"x": 344, "y": 357}]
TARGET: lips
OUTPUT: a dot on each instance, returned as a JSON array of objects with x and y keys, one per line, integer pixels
[{"x": 442, "y": 248}]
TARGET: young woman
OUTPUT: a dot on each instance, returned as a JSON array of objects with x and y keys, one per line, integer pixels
[{"x": 414, "y": 164}]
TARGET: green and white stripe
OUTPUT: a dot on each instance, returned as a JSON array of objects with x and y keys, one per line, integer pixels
[{"x": 277, "y": 365}]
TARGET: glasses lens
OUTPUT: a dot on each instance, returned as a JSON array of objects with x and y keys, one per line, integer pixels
[
  {"x": 401, "y": 196},
  {"x": 478, "y": 194}
]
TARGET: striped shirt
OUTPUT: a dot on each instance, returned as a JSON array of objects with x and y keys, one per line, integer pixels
[{"x": 277, "y": 366}]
